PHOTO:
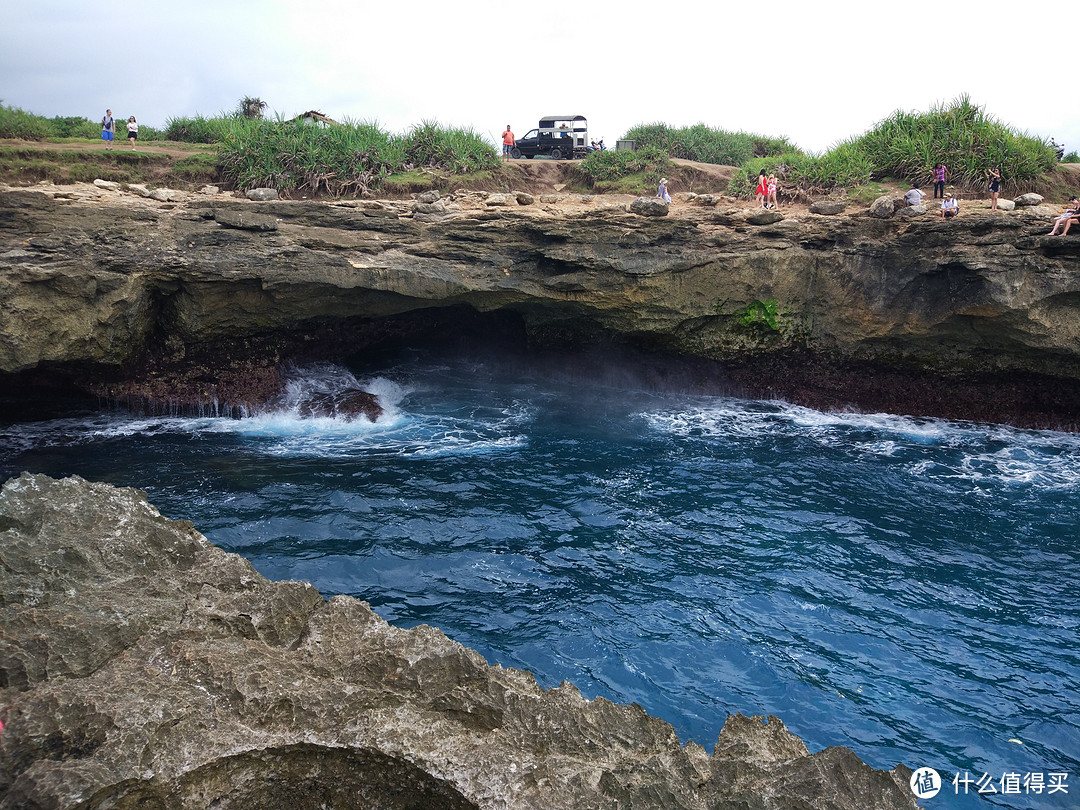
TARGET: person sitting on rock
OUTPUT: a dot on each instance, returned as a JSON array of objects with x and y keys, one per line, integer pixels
[
  {"x": 914, "y": 195},
  {"x": 950, "y": 207},
  {"x": 662, "y": 191},
  {"x": 1066, "y": 220}
]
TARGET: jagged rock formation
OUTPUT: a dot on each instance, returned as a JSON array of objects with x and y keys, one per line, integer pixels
[
  {"x": 142, "y": 667},
  {"x": 132, "y": 297}
]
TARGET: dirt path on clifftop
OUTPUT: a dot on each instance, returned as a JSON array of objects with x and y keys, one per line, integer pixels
[
  {"x": 120, "y": 145},
  {"x": 544, "y": 176}
]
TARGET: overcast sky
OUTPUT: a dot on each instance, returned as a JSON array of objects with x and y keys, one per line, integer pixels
[{"x": 817, "y": 72}]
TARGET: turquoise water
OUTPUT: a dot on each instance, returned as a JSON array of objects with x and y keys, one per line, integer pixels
[{"x": 904, "y": 587}]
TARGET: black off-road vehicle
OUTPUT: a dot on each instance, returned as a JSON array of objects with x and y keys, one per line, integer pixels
[{"x": 558, "y": 137}]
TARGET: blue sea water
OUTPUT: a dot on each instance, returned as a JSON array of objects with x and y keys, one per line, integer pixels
[{"x": 904, "y": 587}]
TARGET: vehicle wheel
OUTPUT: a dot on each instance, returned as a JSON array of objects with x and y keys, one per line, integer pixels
[
  {"x": 556, "y": 154},
  {"x": 515, "y": 153}
]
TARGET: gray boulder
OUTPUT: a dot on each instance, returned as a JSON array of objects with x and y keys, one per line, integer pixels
[
  {"x": 428, "y": 197},
  {"x": 1028, "y": 199},
  {"x": 262, "y": 194},
  {"x": 884, "y": 207},
  {"x": 167, "y": 195},
  {"x": 765, "y": 218},
  {"x": 910, "y": 211},
  {"x": 828, "y": 208},
  {"x": 549, "y": 199},
  {"x": 430, "y": 211},
  {"x": 106, "y": 184},
  {"x": 498, "y": 199},
  {"x": 210, "y": 190},
  {"x": 525, "y": 199},
  {"x": 648, "y": 207},
  {"x": 1007, "y": 205}
]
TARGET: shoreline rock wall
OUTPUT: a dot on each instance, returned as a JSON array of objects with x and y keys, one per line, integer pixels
[
  {"x": 121, "y": 288},
  {"x": 140, "y": 666}
]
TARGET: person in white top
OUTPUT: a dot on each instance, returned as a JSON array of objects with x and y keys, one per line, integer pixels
[
  {"x": 949, "y": 207},
  {"x": 133, "y": 131},
  {"x": 914, "y": 196}
]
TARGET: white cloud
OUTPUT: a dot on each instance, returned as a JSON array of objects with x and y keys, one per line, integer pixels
[{"x": 815, "y": 72}]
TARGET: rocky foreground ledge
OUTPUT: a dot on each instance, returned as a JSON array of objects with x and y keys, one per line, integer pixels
[{"x": 140, "y": 666}]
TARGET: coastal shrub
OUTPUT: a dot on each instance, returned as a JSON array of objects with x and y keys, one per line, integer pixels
[
  {"x": 650, "y": 162},
  {"x": 347, "y": 158},
  {"x": 17, "y": 123},
  {"x": 707, "y": 145},
  {"x": 961, "y": 135},
  {"x": 250, "y": 107},
  {"x": 765, "y": 314},
  {"x": 1072, "y": 157},
  {"x": 460, "y": 151},
  {"x": 905, "y": 146},
  {"x": 197, "y": 129},
  {"x": 75, "y": 126},
  {"x": 802, "y": 175},
  {"x": 293, "y": 156}
]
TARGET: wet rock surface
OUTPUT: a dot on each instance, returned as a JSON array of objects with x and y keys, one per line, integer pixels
[
  {"x": 140, "y": 666},
  {"x": 348, "y": 405}
]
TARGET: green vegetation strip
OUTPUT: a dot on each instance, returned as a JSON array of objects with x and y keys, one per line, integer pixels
[
  {"x": 349, "y": 158},
  {"x": 906, "y": 146}
]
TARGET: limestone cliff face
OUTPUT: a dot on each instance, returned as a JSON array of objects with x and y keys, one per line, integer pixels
[
  {"x": 141, "y": 667},
  {"x": 106, "y": 283}
]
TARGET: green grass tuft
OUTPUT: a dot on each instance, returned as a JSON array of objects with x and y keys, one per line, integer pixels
[
  {"x": 603, "y": 171},
  {"x": 706, "y": 145}
]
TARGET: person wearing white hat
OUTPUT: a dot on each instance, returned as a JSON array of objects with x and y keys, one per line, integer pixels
[
  {"x": 949, "y": 207},
  {"x": 662, "y": 192}
]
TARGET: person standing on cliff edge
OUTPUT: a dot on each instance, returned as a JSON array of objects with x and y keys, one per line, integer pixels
[
  {"x": 941, "y": 172},
  {"x": 761, "y": 194},
  {"x": 133, "y": 131},
  {"x": 508, "y": 143},
  {"x": 108, "y": 129},
  {"x": 995, "y": 186}
]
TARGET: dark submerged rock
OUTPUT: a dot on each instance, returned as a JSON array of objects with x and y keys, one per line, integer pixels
[{"x": 346, "y": 404}]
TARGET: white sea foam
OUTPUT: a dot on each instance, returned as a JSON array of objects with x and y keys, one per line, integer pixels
[
  {"x": 286, "y": 427},
  {"x": 926, "y": 447}
]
